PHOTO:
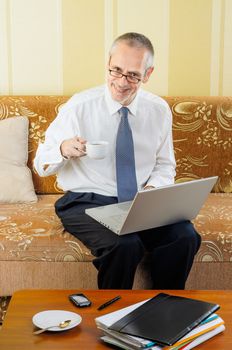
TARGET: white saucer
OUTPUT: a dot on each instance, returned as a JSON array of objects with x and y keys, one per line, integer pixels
[{"x": 54, "y": 317}]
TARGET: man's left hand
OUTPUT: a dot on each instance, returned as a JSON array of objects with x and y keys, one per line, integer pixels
[{"x": 148, "y": 187}]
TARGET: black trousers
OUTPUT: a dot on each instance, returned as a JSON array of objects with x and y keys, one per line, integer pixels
[{"x": 172, "y": 247}]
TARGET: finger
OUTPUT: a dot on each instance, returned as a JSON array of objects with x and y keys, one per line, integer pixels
[
  {"x": 81, "y": 140},
  {"x": 80, "y": 146},
  {"x": 78, "y": 152}
]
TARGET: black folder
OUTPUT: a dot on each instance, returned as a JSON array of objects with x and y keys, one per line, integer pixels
[{"x": 165, "y": 318}]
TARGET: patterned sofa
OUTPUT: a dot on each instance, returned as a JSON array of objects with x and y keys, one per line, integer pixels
[{"x": 35, "y": 252}]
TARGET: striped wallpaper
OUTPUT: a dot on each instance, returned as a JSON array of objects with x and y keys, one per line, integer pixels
[{"x": 61, "y": 46}]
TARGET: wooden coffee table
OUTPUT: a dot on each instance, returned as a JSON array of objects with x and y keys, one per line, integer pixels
[{"x": 17, "y": 329}]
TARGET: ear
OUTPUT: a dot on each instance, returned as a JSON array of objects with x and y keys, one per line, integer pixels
[{"x": 147, "y": 74}]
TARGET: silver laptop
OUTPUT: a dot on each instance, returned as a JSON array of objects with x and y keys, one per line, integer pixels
[{"x": 155, "y": 207}]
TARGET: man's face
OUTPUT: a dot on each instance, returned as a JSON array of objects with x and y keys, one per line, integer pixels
[{"x": 130, "y": 61}]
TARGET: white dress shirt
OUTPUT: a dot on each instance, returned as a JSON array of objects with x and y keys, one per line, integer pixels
[{"x": 93, "y": 115}]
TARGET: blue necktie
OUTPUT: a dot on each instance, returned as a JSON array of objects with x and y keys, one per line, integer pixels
[{"x": 125, "y": 160}]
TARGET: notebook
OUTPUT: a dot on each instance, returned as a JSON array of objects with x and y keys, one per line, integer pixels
[
  {"x": 155, "y": 207},
  {"x": 165, "y": 318}
]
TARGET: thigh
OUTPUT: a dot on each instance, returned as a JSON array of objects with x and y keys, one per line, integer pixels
[
  {"x": 71, "y": 210},
  {"x": 99, "y": 239},
  {"x": 181, "y": 231},
  {"x": 94, "y": 235}
]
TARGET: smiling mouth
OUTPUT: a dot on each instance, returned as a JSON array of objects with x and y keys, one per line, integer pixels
[{"x": 121, "y": 91}]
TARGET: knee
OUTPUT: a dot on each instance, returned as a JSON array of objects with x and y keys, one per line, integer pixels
[
  {"x": 131, "y": 243},
  {"x": 188, "y": 235}
]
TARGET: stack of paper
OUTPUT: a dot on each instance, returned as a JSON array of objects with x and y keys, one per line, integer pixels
[{"x": 205, "y": 330}]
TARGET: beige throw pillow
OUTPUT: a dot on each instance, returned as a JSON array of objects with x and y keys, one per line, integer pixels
[{"x": 15, "y": 177}]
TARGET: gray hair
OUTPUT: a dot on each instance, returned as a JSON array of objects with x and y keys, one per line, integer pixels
[{"x": 139, "y": 41}]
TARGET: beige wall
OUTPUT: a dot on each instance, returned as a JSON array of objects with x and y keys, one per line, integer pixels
[{"x": 61, "y": 46}]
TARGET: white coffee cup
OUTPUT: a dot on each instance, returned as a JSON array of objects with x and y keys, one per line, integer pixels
[{"x": 97, "y": 149}]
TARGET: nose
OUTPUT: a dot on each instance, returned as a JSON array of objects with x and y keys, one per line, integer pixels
[{"x": 123, "y": 81}]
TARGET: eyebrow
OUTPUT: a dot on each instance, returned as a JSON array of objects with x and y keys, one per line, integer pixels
[{"x": 130, "y": 72}]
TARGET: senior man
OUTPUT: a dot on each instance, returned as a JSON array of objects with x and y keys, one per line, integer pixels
[{"x": 138, "y": 127}]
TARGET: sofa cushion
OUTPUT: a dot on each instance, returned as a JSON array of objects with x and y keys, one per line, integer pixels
[
  {"x": 33, "y": 232},
  {"x": 214, "y": 223},
  {"x": 15, "y": 176}
]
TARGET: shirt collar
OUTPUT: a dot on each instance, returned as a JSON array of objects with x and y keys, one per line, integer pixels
[{"x": 114, "y": 106}]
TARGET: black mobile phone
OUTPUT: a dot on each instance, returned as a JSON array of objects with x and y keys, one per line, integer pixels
[{"x": 79, "y": 300}]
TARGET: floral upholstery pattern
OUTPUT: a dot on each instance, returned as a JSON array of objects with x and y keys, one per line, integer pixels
[
  {"x": 33, "y": 232},
  {"x": 202, "y": 133},
  {"x": 214, "y": 222}
]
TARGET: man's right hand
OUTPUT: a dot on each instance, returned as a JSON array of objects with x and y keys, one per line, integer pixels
[{"x": 73, "y": 148}]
